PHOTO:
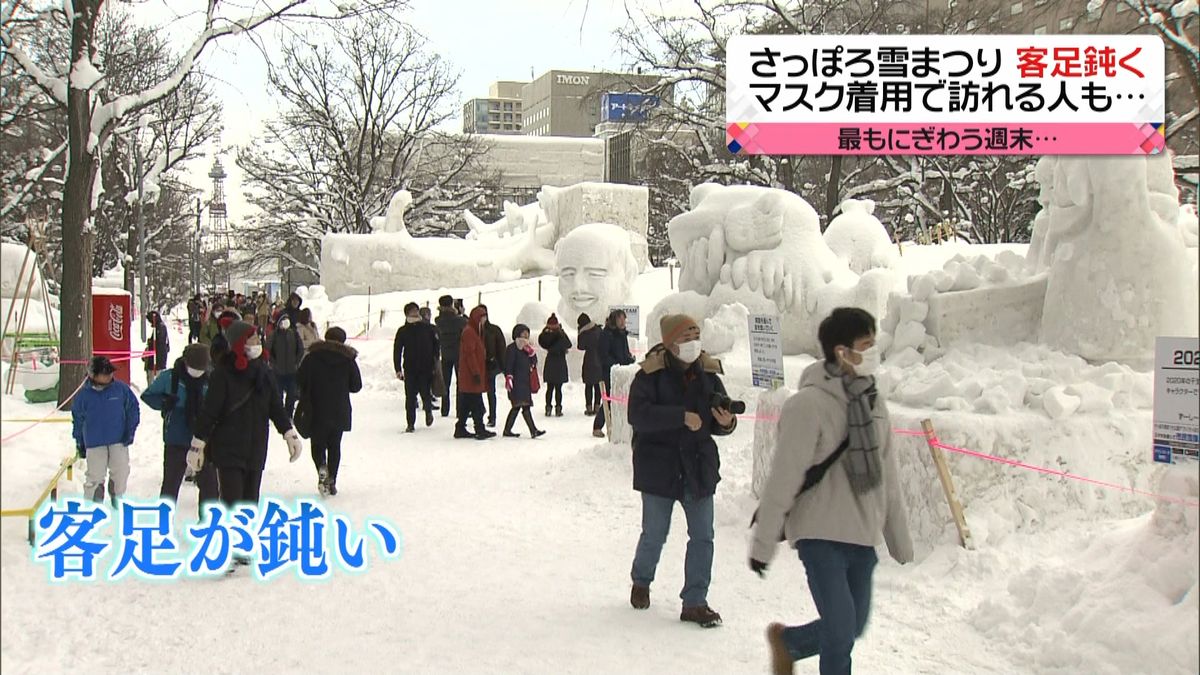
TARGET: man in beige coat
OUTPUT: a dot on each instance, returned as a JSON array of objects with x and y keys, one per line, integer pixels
[{"x": 833, "y": 494}]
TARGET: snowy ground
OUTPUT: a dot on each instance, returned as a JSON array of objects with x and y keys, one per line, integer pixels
[{"x": 517, "y": 552}]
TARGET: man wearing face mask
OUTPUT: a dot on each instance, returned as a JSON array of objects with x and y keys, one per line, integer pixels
[
  {"x": 675, "y": 459},
  {"x": 285, "y": 349},
  {"x": 413, "y": 354},
  {"x": 104, "y": 418},
  {"x": 833, "y": 494},
  {"x": 179, "y": 393},
  {"x": 232, "y": 426}
]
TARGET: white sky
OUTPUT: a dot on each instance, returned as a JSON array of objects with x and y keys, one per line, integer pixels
[{"x": 485, "y": 40}]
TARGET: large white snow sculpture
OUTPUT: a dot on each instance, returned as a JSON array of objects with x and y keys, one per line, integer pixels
[
  {"x": 390, "y": 259},
  {"x": 596, "y": 270},
  {"x": 1119, "y": 274},
  {"x": 859, "y": 238},
  {"x": 763, "y": 248}
]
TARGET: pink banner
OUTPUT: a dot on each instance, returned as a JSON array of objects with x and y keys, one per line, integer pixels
[{"x": 801, "y": 138}]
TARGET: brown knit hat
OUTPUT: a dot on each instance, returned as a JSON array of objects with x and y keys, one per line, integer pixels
[
  {"x": 196, "y": 356},
  {"x": 675, "y": 325}
]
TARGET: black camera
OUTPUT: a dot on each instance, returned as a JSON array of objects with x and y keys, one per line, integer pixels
[{"x": 723, "y": 402}]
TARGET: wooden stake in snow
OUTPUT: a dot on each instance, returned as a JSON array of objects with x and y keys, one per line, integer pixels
[{"x": 943, "y": 470}]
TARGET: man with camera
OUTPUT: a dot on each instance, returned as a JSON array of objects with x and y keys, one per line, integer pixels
[{"x": 677, "y": 403}]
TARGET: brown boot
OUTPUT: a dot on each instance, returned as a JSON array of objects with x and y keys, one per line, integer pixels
[
  {"x": 702, "y": 615},
  {"x": 781, "y": 658},
  {"x": 639, "y": 597}
]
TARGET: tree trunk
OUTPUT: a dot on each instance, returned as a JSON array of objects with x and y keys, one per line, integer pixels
[
  {"x": 78, "y": 235},
  {"x": 834, "y": 191}
]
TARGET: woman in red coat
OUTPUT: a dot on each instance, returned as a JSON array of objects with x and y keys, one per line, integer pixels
[{"x": 472, "y": 378}]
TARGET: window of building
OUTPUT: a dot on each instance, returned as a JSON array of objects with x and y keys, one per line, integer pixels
[
  {"x": 1066, "y": 24},
  {"x": 1016, "y": 8},
  {"x": 507, "y": 117},
  {"x": 508, "y": 105},
  {"x": 494, "y": 105},
  {"x": 508, "y": 127},
  {"x": 1039, "y": 30}
]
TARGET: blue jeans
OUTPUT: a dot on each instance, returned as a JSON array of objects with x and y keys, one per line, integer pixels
[
  {"x": 839, "y": 576},
  {"x": 697, "y": 565}
]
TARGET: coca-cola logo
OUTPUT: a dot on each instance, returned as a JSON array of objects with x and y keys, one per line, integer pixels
[{"x": 116, "y": 322}]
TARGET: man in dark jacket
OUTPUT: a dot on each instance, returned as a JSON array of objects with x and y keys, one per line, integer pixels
[
  {"x": 450, "y": 325},
  {"x": 328, "y": 375},
  {"x": 613, "y": 348},
  {"x": 285, "y": 351},
  {"x": 413, "y": 354},
  {"x": 495, "y": 345},
  {"x": 243, "y": 397},
  {"x": 292, "y": 308},
  {"x": 195, "y": 309},
  {"x": 589, "y": 344},
  {"x": 179, "y": 393},
  {"x": 675, "y": 459}
]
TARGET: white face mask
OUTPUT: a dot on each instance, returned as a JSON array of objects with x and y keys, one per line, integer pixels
[
  {"x": 285, "y": 324},
  {"x": 412, "y": 319},
  {"x": 522, "y": 343},
  {"x": 690, "y": 351},
  {"x": 195, "y": 372},
  {"x": 253, "y": 351},
  {"x": 869, "y": 364}
]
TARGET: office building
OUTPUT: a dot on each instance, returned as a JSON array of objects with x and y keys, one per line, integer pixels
[
  {"x": 569, "y": 103},
  {"x": 499, "y": 113}
]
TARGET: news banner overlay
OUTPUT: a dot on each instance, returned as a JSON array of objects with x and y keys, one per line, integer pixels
[{"x": 945, "y": 94}]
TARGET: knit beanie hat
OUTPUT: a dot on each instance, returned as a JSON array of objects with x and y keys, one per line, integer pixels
[
  {"x": 552, "y": 321},
  {"x": 583, "y": 320},
  {"x": 675, "y": 325},
  {"x": 237, "y": 334},
  {"x": 196, "y": 356}
]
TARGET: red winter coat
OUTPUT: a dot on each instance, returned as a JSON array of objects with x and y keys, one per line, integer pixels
[{"x": 472, "y": 357}]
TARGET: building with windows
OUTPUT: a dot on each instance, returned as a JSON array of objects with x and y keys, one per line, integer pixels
[
  {"x": 569, "y": 103},
  {"x": 499, "y": 113}
]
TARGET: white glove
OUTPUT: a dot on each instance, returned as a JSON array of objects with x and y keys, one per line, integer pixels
[
  {"x": 195, "y": 455},
  {"x": 294, "y": 444}
]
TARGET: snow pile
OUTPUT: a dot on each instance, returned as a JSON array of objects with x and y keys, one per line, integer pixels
[
  {"x": 1119, "y": 274},
  {"x": 17, "y": 261},
  {"x": 992, "y": 380},
  {"x": 766, "y": 434},
  {"x": 859, "y": 238},
  {"x": 1144, "y": 570},
  {"x": 763, "y": 248},
  {"x": 690, "y": 303}
]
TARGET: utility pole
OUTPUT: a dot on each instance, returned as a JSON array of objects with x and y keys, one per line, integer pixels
[{"x": 141, "y": 237}]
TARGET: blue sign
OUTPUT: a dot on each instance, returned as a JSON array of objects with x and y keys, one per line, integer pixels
[{"x": 629, "y": 107}]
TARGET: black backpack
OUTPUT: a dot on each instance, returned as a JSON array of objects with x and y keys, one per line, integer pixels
[{"x": 813, "y": 476}]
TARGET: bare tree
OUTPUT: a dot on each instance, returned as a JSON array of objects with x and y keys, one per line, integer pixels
[
  {"x": 358, "y": 126},
  {"x": 73, "y": 85}
]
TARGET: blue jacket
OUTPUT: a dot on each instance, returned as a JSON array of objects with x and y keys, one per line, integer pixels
[
  {"x": 104, "y": 417},
  {"x": 175, "y": 427}
]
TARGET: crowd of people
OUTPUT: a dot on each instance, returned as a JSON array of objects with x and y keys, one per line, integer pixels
[{"x": 832, "y": 491}]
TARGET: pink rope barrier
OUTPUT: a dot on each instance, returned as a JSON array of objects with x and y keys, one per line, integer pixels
[{"x": 48, "y": 415}]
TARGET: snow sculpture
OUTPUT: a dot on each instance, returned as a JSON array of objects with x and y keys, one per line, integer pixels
[
  {"x": 391, "y": 259},
  {"x": 596, "y": 269},
  {"x": 1118, "y": 272},
  {"x": 763, "y": 248},
  {"x": 859, "y": 238}
]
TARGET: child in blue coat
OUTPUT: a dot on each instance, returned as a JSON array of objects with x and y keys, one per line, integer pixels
[
  {"x": 179, "y": 394},
  {"x": 104, "y": 419}
]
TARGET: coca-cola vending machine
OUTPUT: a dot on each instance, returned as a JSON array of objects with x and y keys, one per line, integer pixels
[{"x": 110, "y": 328}]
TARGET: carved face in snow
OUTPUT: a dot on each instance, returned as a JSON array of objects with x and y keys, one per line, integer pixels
[{"x": 596, "y": 269}]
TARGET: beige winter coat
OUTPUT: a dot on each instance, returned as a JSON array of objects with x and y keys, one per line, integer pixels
[
  {"x": 811, "y": 426},
  {"x": 308, "y": 334}
]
